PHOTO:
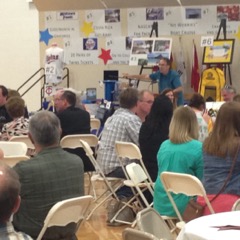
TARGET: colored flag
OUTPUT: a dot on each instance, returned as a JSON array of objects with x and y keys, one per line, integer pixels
[
  {"x": 195, "y": 76},
  {"x": 181, "y": 67}
]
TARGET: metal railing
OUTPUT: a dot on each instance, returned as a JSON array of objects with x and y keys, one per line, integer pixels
[{"x": 42, "y": 77}]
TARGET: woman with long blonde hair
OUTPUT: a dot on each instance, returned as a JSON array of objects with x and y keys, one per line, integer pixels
[{"x": 182, "y": 153}]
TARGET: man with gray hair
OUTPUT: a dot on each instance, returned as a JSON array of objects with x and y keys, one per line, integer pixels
[
  {"x": 49, "y": 177},
  {"x": 9, "y": 203},
  {"x": 228, "y": 92}
]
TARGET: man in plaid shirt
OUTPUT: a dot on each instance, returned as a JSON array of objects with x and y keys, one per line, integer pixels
[{"x": 124, "y": 125}]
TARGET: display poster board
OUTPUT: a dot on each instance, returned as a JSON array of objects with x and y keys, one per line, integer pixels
[{"x": 148, "y": 51}]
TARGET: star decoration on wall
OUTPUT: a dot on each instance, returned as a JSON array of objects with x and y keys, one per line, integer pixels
[
  {"x": 238, "y": 33},
  {"x": 105, "y": 55},
  {"x": 87, "y": 28},
  {"x": 45, "y": 36}
]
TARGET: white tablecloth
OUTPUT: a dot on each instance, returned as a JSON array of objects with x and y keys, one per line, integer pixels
[{"x": 203, "y": 228}]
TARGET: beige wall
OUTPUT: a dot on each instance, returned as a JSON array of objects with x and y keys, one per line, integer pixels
[
  {"x": 20, "y": 23},
  {"x": 19, "y": 47}
]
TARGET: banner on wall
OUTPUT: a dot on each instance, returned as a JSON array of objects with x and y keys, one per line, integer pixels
[
  {"x": 81, "y": 51},
  {"x": 63, "y": 24},
  {"x": 120, "y": 50},
  {"x": 191, "y": 20},
  {"x": 148, "y": 51}
]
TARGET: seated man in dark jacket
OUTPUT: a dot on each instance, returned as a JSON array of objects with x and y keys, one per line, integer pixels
[
  {"x": 73, "y": 121},
  {"x": 47, "y": 178}
]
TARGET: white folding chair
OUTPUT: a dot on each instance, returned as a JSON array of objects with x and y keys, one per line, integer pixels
[
  {"x": 139, "y": 179},
  {"x": 13, "y": 148},
  {"x": 73, "y": 141},
  {"x": 186, "y": 184},
  {"x": 67, "y": 211},
  {"x": 111, "y": 183},
  {"x": 236, "y": 206},
  {"x": 134, "y": 234},
  {"x": 131, "y": 152},
  {"x": 23, "y": 138},
  {"x": 13, "y": 160},
  {"x": 95, "y": 125},
  {"x": 150, "y": 221}
]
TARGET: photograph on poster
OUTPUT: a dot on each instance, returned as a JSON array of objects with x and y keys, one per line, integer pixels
[
  {"x": 128, "y": 43},
  {"x": 154, "y": 14},
  {"x": 140, "y": 46},
  {"x": 229, "y": 12},
  {"x": 193, "y": 13},
  {"x": 220, "y": 52},
  {"x": 90, "y": 44},
  {"x": 112, "y": 15},
  {"x": 149, "y": 50}
]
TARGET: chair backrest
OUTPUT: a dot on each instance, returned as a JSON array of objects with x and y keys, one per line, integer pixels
[
  {"x": 72, "y": 141},
  {"x": 183, "y": 183},
  {"x": 134, "y": 234},
  {"x": 137, "y": 176},
  {"x": 236, "y": 206},
  {"x": 128, "y": 150},
  {"x": 13, "y": 160},
  {"x": 131, "y": 151},
  {"x": 95, "y": 125},
  {"x": 150, "y": 221},
  {"x": 90, "y": 155},
  {"x": 24, "y": 139},
  {"x": 67, "y": 211},
  {"x": 13, "y": 148}
]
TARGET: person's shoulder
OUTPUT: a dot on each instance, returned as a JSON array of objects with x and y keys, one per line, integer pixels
[
  {"x": 166, "y": 143},
  {"x": 195, "y": 144},
  {"x": 174, "y": 72}
]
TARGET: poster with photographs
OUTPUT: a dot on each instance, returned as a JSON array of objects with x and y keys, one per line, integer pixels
[
  {"x": 106, "y": 23},
  {"x": 148, "y": 51}
]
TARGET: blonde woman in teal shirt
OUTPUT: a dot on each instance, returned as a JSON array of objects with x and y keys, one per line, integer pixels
[{"x": 182, "y": 153}]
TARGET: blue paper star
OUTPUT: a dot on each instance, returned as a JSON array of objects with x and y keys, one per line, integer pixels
[{"x": 45, "y": 36}]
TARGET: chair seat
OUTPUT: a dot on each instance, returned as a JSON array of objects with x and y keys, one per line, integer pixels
[
  {"x": 97, "y": 177},
  {"x": 129, "y": 183}
]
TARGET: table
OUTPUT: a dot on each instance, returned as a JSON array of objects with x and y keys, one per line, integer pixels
[{"x": 203, "y": 228}]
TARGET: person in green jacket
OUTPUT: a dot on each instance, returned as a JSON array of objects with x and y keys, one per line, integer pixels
[{"x": 182, "y": 153}]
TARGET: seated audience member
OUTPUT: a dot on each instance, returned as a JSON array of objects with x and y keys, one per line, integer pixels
[
  {"x": 170, "y": 94},
  {"x": 182, "y": 153},
  {"x": 4, "y": 117},
  {"x": 51, "y": 176},
  {"x": 123, "y": 125},
  {"x": 219, "y": 151},
  {"x": 197, "y": 103},
  {"x": 228, "y": 92},
  {"x": 15, "y": 93},
  {"x": 145, "y": 101},
  {"x": 73, "y": 121},
  {"x": 78, "y": 103},
  {"x": 154, "y": 131},
  {"x": 9, "y": 203},
  {"x": 19, "y": 125}
]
